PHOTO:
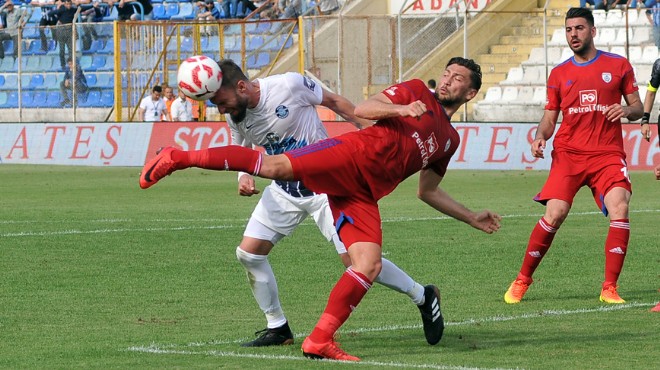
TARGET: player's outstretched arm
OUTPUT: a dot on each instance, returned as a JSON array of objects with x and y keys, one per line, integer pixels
[
  {"x": 344, "y": 108},
  {"x": 380, "y": 106},
  {"x": 431, "y": 194}
]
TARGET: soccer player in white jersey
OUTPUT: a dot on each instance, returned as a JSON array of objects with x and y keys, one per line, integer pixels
[{"x": 278, "y": 113}]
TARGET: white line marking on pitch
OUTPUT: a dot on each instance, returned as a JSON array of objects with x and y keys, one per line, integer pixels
[
  {"x": 228, "y": 226},
  {"x": 172, "y": 348}
]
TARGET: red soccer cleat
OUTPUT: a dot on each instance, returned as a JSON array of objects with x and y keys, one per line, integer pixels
[
  {"x": 329, "y": 350},
  {"x": 656, "y": 308},
  {"x": 158, "y": 167}
]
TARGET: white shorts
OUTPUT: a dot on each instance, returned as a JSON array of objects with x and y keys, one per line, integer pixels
[{"x": 277, "y": 214}]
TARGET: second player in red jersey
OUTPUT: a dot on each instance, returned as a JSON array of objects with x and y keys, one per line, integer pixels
[{"x": 588, "y": 150}]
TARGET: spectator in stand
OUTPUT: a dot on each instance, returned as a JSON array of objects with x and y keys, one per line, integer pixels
[
  {"x": 653, "y": 15},
  {"x": 48, "y": 19},
  {"x": 65, "y": 15},
  {"x": 290, "y": 8},
  {"x": 152, "y": 107},
  {"x": 230, "y": 8},
  {"x": 431, "y": 84},
  {"x": 207, "y": 12},
  {"x": 148, "y": 10},
  {"x": 91, "y": 15},
  {"x": 67, "y": 85},
  {"x": 182, "y": 108},
  {"x": 328, "y": 6},
  {"x": 597, "y": 4},
  {"x": 125, "y": 10},
  {"x": 168, "y": 97},
  {"x": 13, "y": 21}
]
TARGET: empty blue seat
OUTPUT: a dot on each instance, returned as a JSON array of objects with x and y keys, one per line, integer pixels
[
  {"x": 259, "y": 61},
  {"x": 12, "y": 100},
  {"x": 108, "y": 98},
  {"x": 91, "y": 80},
  {"x": 11, "y": 82},
  {"x": 258, "y": 28},
  {"x": 51, "y": 82},
  {"x": 3, "y": 98},
  {"x": 36, "y": 82},
  {"x": 255, "y": 42},
  {"x": 86, "y": 62},
  {"x": 98, "y": 63},
  {"x": 108, "y": 47},
  {"x": 2, "y": 81},
  {"x": 186, "y": 45},
  {"x": 104, "y": 80},
  {"x": 26, "y": 99},
  {"x": 53, "y": 99},
  {"x": 93, "y": 99},
  {"x": 9, "y": 46},
  {"x": 111, "y": 14},
  {"x": 186, "y": 11},
  {"x": 31, "y": 64},
  {"x": 171, "y": 10},
  {"x": 158, "y": 11},
  {"x": 39, "y": 98},
  {"x": 36, "y": 16}
]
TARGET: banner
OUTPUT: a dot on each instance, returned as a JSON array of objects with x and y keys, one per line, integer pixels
[
  {"x": 484, "y": 146},
  {"x": 435, "y": 6}
]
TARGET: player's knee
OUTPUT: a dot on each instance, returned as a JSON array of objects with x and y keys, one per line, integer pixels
[
  {"x": 248, "y": 259},
  {"x": 618, "y": 210}
]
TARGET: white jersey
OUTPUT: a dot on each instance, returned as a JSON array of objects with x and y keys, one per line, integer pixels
[{"x": 285, "y": 117}]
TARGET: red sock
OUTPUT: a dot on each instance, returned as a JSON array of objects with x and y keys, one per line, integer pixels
[
  {"x": 226, "y": 158},
  {"x": 616, "y": 246},
  {"x": 344, "y": 297},
  {"x": 539, "y": 243}
]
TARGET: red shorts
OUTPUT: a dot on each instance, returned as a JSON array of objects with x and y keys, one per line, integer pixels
[
  {"x": 328, "y": 167},
  {"x": 569, "y": 172}
]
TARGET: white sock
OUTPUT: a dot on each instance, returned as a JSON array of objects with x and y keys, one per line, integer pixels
[
  {"x": 263, "y": 285},
  {"x": 396, "y": 279}
]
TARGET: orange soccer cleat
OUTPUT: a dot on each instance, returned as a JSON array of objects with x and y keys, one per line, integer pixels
[
  {"x": 609, "y": 295},
  {"x": 516, "y": 291},
  {"x": 158, "y": 167},
  {"x": 329, "y": 350}
]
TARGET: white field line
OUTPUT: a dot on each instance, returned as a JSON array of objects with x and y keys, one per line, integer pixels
[
  {"x": 174, "y": 348},
  {"x": 230, "y": 224}
]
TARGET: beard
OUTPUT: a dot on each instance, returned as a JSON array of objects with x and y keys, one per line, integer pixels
[
  {"x": 447, "y": 101},
  {"x": 241, "y": 111}
]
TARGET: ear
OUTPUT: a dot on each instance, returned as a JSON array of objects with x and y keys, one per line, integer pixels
[{"x": 471, "y": 94}]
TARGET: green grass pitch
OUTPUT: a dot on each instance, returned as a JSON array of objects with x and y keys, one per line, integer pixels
[{"x": 96, "y": 273}]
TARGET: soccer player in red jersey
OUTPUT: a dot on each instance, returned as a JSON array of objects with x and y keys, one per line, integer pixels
[
  {"x": 413, "y": 134},
  {"x": 588, "y": 149}
]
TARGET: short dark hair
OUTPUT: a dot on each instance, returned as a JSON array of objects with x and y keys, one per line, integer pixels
[
  {"x": 231, "y": 73},
  {"x": 157, "y": 89},
  {"x": 581, "y": 13},
  {"x": 474, "y": 67},
  {"x": 431, "y": 83}
]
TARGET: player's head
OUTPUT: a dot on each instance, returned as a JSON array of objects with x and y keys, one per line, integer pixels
[
  {"x": 232, "y": 98},
  {"x": 460, "y": 82},
  {"x": 580, "y": 30},
  {"x": 182, "y": 95},
  {"x": 431, "y": 84}
]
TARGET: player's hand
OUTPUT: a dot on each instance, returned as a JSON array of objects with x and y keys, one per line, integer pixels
[
  {"x": 646, "y": 132},
  {"x": 538, "y": 146},
  {"x": 487, "y": 221},
  {"x": 615, "y": 112},
  {"x": 246, "y": 186},
  {"x": 414, "y": 109}
]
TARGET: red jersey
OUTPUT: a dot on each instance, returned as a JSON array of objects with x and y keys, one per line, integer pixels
[
  {"x": 395, "y": 148},
  {"x": 582, "y": 91}
]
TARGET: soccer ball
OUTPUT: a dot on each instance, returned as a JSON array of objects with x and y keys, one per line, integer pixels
[{"x": 199, "y": 77}]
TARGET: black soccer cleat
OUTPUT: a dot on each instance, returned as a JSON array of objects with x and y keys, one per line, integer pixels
[
  {"x": 431, "y": 315},
  {"x": 272, "y": 337}
]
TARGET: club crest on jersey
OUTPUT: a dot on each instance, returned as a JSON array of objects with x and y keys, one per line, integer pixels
[
  {"x": 282, "y": 111},
  {"x": 309, "y": 83},
  {"x": 607, "y": 77}
]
